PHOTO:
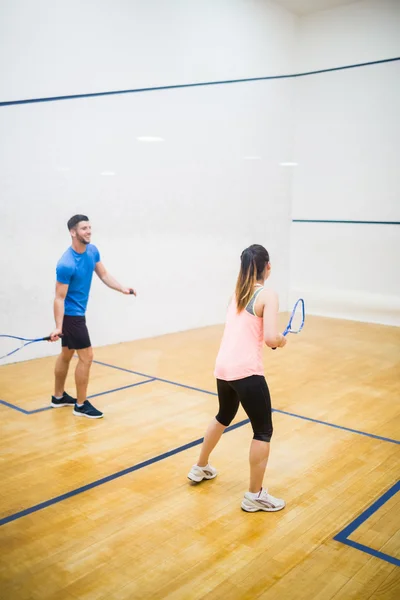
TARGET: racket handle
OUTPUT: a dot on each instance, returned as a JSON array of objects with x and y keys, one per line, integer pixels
[
  {"x": 48, "y": 337},
  {"x": 284, "y": 335},
  {"x": 131, "y": 291}
]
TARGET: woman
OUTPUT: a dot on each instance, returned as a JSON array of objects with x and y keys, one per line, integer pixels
[{"x": 252, "y": 319}]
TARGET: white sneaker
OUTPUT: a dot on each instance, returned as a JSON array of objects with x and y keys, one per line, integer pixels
[
  {"x": 197, "y": 473},
  {"x": 263, "y": 501}
]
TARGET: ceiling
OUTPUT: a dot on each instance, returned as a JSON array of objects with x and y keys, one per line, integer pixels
[{"x": 305, "y": 7}]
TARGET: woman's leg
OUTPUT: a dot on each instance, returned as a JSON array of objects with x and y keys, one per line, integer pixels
[
  {"x": 255, "y": 398},
  {"x": 211, "y": 439},
  {"x": 228, "y": 407}
]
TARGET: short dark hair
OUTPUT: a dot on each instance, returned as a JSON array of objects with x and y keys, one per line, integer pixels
[{"x": 73, "y": 222}]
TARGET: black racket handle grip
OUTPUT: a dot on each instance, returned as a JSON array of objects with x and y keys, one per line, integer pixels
[
  {"x": 131, "y": 291},
  {"x": 48, "y": 337}
]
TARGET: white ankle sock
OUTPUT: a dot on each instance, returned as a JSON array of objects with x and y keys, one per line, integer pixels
[{"x": 254, "y": 495}]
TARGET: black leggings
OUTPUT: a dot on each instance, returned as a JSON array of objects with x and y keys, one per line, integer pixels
[{"x": 253, "y": 394}]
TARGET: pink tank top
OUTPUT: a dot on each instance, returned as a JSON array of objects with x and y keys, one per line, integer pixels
[{"x": 241, "y": 351}]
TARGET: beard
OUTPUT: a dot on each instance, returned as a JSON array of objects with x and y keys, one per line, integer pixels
[{"x": 82, "y": 240}]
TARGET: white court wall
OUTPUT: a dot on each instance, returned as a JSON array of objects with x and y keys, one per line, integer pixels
[
  {"x": 169, "y": 217},
  {"x": 54, "y": 48},
  {"x": 347, "y": 136},
  {"x": 360, "y": 32}
]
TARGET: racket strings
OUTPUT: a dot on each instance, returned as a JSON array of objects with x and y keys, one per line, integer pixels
[
  {"x": 10, "y": 344},
  {"x": 297, "y": 318},
  {"x": 297, "y": 321}
]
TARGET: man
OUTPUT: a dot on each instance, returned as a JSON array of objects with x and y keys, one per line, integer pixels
[{"x": 74, "y": 277}]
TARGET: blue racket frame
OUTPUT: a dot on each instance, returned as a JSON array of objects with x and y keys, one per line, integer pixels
[
  {"x": 300, "y": 302},
  {"x": 288, "y": 329}
]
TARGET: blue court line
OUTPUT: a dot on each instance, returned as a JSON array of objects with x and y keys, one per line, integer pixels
[
  {"x": 22, "y": 410},
  {"x": 200, "y": 84},
  {"x": 371, "y": 435},
  {"x": 189, "y": 387},
  {"x": 103, "y": 480},
  {"x": 346, "y": 222},
  {"x": 283, "y": 412},
  {"x": 38, "y": 410},
  {"x": 343, "y": 535},
  {"x": 371, "y": 551}
]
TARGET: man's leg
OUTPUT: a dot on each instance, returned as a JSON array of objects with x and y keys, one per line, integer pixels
[
  {"x": 61, "y": 370},
  {"x": 85, "y": 359},
  {"x": 83, "y": 407},
  {"x": 60, "y": 398}
]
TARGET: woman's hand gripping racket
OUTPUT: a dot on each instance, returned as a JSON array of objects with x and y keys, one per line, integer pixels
[
  {"x": 297, "y": 318},
  {"x": 22, "y": 342}
]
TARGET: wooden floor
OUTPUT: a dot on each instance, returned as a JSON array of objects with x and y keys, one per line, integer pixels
[{"x": 148, "y": 533}]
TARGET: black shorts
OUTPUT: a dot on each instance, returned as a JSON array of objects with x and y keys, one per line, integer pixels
[
  {"x": 75, "y": 333},
  {"x": 253, "y": 394}
]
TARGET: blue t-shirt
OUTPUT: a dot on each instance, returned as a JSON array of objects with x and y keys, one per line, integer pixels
[{"x": 76, "y": 270}]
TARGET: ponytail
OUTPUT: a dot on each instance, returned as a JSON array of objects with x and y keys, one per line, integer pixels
[{"x": 253, "y": 262}]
